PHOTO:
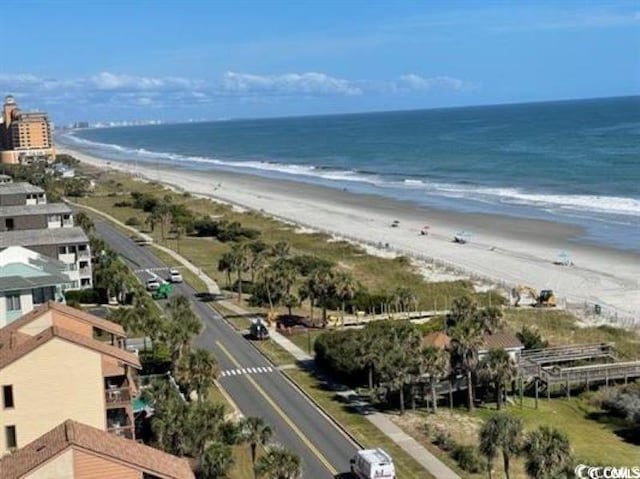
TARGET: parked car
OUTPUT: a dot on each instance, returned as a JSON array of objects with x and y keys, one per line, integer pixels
[
  {"x": 373, "y": 464},
  {"x": 175, "y": 276},
  {"x": 258, "y": 330},
  {"x": 153, "y": 284}
]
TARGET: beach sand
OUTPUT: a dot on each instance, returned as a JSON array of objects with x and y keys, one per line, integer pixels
[{"x": 503, "y": 250}]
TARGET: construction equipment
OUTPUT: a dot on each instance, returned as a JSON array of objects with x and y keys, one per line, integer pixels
[
  {"x": 546, "y": 298},
  {"x": 163, "y": 291}
]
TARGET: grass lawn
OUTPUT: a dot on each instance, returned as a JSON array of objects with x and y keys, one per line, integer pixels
[
  {"x": 365, "y": 432},
  {"x": 302, "y": 339},
  {"x": 239, "y": 323},
  {"x": 594, "y": 442},
  {"x": 275, "y": 352},
  {"x": 560, "y": 328}
]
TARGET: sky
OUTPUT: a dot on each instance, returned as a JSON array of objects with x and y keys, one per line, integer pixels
[{"x": 193, "y": 60}]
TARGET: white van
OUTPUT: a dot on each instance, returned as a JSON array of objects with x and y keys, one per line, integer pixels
[{"x": 373, "y": 464}]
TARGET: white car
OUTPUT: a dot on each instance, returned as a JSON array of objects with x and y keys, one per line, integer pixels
[
  {"x": 175, "y": 276},
  {"x": 153, "y": 284}
]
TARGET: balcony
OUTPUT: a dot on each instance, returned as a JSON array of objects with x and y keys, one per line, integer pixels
[
  {"x": 85, "y": 271},
  {"x": 118, "y": 397},
  {"x": 83, "y": 253}
]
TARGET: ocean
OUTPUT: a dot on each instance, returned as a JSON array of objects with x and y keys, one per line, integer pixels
[{"x": 575, "y": 162}]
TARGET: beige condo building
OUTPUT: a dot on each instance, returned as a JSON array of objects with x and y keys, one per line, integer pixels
[
  {"x": 25, "y": 137},
  {"x": 59, "y": 363}
]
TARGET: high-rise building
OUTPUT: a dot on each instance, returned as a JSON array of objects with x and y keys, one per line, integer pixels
[{"x": 25, "y": 136}]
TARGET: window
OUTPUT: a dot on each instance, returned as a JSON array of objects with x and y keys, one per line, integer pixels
[
  {"x": 8, "y": 223},
  {"x": 7, "y": 396},
  {"x": 13, "y": 302},
  {"x": 62, "y": 250},
  {"x": 10, "y": 437},
  {"x": 42, "y": 295}
]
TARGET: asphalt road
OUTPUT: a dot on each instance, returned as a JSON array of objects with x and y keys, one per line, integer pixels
[{"x": 324, "y": 450}]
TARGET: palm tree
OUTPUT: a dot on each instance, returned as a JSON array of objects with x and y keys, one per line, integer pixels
[
  {"x": 239, "y": 263},
  {"x": 501, "y": 432},
  {"x": 287, "y": 274},
  {"x": 280, "y": 250},
  {"x": 198, "y": 369},
  {"x": 215, "y": 461},
  {"x": 204, "y": 421},
  {"x": 85, "y": 222},
  {"x": 258, "y": 253},
  {"x": 279, "y": 463},
  {"x": 321, "y": 287},
  {"x": 435, "y": 363},
  {"x": 163, "y": 214},
  {"x": 547, "y": 453},
  {"x": 462, "y": 310},
  {"x": 345, "y": 287},
  {"x": 465, "y": 341},
  {"x": 225, "y": 265},
  {"x": 403, "y": 298},
  {"x": 183, "y": 325},
  {"x": 499, "y": 368},
  {"x": 254, "y": 431},
  {"x": 489, "y": 319}
]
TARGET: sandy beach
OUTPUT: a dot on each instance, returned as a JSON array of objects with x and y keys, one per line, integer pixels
[{"x": 504, "y": 251}]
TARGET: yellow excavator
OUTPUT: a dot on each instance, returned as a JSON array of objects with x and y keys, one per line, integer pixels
[{"x": 544, "y": 299}]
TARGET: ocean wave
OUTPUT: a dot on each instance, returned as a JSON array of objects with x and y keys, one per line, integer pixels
[{"x": 609, "y": 205}]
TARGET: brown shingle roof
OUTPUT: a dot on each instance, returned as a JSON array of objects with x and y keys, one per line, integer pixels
[
  {"x": 71, "y": 434},
  {"x": 24, "y": 345},
  {"x": 78, "y": 314},
  {"x": 500, "y": 340},
  {"x": 436, "y": 339}
]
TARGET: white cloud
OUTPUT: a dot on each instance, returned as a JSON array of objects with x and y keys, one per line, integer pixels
[
  {"x": 311, "y": 83},
  {"x": 415, "y": 82},
  {"x": 106, "y": 88},
  {"x": 111, "y": 81}
]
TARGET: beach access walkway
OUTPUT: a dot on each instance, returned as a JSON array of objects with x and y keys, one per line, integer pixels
[{"x": 382, "y": 421}]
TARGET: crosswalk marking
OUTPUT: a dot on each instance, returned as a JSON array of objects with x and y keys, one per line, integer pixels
[{"x": 241, "y": 371}]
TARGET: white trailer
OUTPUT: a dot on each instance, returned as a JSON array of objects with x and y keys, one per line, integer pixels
[{"x": 373, "y": 464}]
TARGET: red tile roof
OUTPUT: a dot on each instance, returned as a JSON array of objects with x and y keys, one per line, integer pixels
[
  {"x": 78, "y": 314},
  {"x": 24, "y": 344},
  {"x": 437, "y": 339},
  {"x": 71, "y": 434},
  {"x": 500, "y": 340}
]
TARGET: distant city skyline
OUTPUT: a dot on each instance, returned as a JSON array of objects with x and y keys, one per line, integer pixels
[{"x": 263, "y": 59}]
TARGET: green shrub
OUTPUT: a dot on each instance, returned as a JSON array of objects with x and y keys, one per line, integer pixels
[
  {"x": 531, "y": 338},
  {"x": 443, "y": 440},
  {"x": 83, "y": 296},
  {"x": 123, "y": 204},
  {"x": 468, "y": 458},
  {"x": 133, "y": 221}
]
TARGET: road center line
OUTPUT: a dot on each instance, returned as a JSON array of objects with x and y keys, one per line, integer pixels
[{"x": 281, "y": 413}]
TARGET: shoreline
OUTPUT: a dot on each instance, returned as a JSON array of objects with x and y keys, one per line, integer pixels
[{"x": 504, "y": 250}]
